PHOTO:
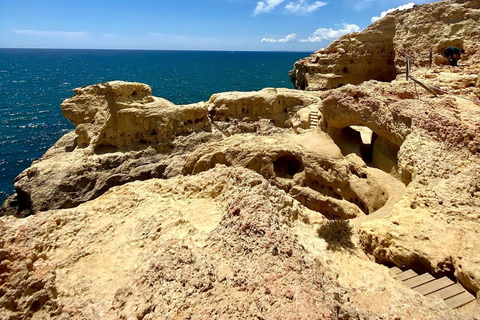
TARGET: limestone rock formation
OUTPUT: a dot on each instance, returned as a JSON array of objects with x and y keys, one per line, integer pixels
[
  {"x": 223, "y": 243},
  {"x": 379, "y": 52},
  {"x": 115, "y": 123},
  {"x": 124, "y": 134},
  {"x": 402, "y": 208},
  {"x": 156, "y": 211},
  {"x": 118, "y": 114}
]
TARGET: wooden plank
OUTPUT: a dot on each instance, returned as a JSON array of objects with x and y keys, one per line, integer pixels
[
  {"x": 419, "y": 280},
  {"x": 459, "y": 300},
  {"x": 448, "y": 292},
  {"x": 406, "y": 275},
  {"x": 395, "y": 270},
  {"x": 434, "y": 286}
]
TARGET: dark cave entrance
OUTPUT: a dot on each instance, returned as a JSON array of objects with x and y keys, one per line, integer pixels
[
  {"x": 287, "y": 165},
  {"x": 375, "y": 150}
]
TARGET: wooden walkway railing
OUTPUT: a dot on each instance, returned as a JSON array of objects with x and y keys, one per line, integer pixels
[{"x": 455, "y": 295}]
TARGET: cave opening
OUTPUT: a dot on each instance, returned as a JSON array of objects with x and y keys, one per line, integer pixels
[
  {"x": 375, "y": 150},
  {"x": 286, "y": 166}
]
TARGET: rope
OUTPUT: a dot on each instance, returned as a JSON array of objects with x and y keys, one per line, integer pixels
[
  {"x": 456, "y": 95},
  {"x": 431, "y": 88},
  {"x": 418, "y": 96}
]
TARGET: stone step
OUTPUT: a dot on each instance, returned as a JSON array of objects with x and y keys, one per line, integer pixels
[
  {"x": 314, "y": 118},
  {"x": 448, "y": 292},
  {"x": 395, "y": 270}
]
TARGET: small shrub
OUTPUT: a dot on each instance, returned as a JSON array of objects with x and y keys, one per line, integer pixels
[{"x": 337, "y": 234}]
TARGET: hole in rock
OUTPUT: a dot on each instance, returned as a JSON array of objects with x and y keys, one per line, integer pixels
[
  {"x": 377, "y": 151},
  {"x": 286, "y": 166},
  {"x": 105, "y": 148},
  {"x": 35, "y": 306}
]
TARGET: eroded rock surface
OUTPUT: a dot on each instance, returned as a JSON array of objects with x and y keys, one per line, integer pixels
[
  {"x": 152, "y": 210},
  {"x": 379, "y": 52},
  {"x": 399, "y": 197},
  {"x": 223, "y": 243}
]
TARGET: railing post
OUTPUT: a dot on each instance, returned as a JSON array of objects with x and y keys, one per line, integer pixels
[{"x": 408, "y": 68}]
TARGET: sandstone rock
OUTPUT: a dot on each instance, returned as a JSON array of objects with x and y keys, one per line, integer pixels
[
  {"x": 217, "y": 244},
  {"x": 215, "y": 214},
  {"x": 322, "y": 180},
  {"x": 124, "y": 134},
  {"x": 118, "y": 114},
  {"x": 379, "y": 52},
  {"x": 323, "y": 175}
]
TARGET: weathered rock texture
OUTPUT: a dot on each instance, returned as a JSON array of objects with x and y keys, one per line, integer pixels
[
  {"x": 380, "y": 51},
  {"x": 155, "y": 211},
  {"x": 223, "y": 243},
  {"x": 118, "y": 114}
]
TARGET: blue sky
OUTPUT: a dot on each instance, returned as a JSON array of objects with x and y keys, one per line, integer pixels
[{"x": 268, "y": 25}]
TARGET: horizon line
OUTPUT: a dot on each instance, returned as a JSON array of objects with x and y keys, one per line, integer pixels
[{"x": 130, "y": 49}]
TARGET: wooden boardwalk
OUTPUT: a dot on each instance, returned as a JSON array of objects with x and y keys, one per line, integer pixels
[
  {"x": 314, "y": 118},
  {"x": 455, "y": 295}
]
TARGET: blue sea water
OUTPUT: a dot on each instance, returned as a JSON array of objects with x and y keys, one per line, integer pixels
[{"x": 33, "y": 83}]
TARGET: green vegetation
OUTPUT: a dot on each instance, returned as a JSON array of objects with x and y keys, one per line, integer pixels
[{"x": 337, "y": 234}]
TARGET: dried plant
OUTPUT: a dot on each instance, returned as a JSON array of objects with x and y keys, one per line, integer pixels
[{"x": 337, "y": 234}]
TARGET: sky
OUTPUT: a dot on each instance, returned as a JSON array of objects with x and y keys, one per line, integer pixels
[{"x": 230, "y": 25}]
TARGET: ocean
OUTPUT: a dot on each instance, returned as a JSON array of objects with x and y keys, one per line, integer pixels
[{"x": 34, "y": 82}]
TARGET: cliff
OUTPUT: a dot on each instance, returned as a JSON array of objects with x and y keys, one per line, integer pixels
[
  {"x": 153, "y": 210},
  {"x": 380, "y": 51}
]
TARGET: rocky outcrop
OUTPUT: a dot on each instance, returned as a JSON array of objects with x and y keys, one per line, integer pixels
[
  {"x": 152, "y": 210},
  {"x": 379, "y": 52},
  {"x": 118, "y": 114},
  {"x": 125, "y": 134},
  {"x": 223, "y": 243},
  {"x": 440, "y": 166},
  {"x": 122, "y": 134},
  {"x": 425, "y": 149},
  {"x": 324, "y": 181}
]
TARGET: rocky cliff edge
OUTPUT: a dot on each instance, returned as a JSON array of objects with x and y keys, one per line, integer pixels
[
  {"x": 380, "y": 51},
  {"x": 153, "y": 210}
]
